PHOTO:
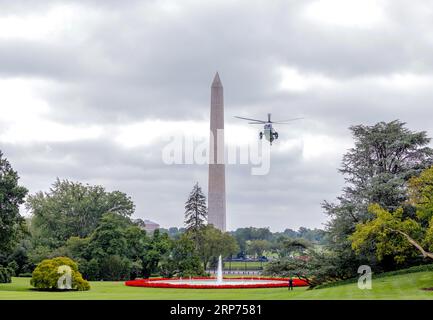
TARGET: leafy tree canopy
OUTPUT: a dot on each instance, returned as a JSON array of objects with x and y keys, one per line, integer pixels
[
  {"x": 402, "y": 232},
  {"x": 11, "y": 197},
  {"x": 72, "y": 209},
  {"x": 376, "y": 170}
]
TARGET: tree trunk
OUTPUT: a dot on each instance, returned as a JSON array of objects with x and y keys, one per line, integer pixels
[{"x": 425, "y": 254}]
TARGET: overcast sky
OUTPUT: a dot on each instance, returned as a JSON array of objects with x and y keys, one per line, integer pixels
[{"x": 90, "y": 90}]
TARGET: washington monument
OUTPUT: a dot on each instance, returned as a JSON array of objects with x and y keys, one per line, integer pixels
[{"x": 217, "y": 184}]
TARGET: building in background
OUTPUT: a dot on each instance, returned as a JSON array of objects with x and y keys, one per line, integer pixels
[{"x": 148, "y": 225}]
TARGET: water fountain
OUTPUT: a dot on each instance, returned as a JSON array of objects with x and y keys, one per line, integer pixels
[
  {"x": 217, "y": 282},
  {"x": 219, "y": 278}
]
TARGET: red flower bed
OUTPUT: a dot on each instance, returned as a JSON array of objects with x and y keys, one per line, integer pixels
[{"x": 156, "y": 283}]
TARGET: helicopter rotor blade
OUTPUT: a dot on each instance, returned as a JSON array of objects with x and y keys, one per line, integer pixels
[
  {"x": 286, "y": 121},
  {"x": 255, "y": 120}
]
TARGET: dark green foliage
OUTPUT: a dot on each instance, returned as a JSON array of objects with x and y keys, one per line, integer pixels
[
  {"x": 11, "y": 197},
  {"x": 312, "y": 235},
  {"x": 242, "y": 235},
  {"x": 46, "y": 275},
  {"x": 21, "y": 258},
  {"x": 195, "y": 213},
  {"x": 6, "y": 274},
  {"x": 215, "y": 243},
  {"x": 256, "y": 248},
  {"x": 376, "y": 170},
  {"x": 317, "y": 268},
  {"x": 156, "y": 248},
  {"x": 293, "y": 247},
  {"x": 109, "y": 237},
  {"x": 252, "y": 240},
  {"x": 90, "y": 269},
  {"x": 13, "y": 266},
  {"x": 114, "y": 268},
  {"x": 173, "y": 232},
  {"x": 183, "y": 260},
  {"x": 72, "y": 209},
  {"x": 112, "y": 251}
]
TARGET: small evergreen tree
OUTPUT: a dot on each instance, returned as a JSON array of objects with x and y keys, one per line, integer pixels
[{"x": 195, "y": 212}]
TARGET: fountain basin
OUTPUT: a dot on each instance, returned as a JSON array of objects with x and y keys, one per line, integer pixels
[{"x": 211, "y": 283}]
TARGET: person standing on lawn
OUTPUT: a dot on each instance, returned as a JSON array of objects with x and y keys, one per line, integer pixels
[{"x": 290, "y": 283}]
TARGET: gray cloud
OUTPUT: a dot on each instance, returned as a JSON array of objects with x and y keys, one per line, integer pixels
[{"x": 131, "y": 61}]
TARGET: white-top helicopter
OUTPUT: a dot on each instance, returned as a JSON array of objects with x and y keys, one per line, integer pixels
[{"x": 268, "y": 131}]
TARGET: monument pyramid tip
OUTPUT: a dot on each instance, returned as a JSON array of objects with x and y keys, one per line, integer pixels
[{"x": 216, "y": 81}]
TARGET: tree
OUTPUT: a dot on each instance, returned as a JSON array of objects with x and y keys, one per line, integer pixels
[
  {"x": 116, "y": 250},
  {"x": 402, "y": 232},
  {"x": 376, "y": 170},
  {"x": 11, "y": 197},
  {"x": 47, "y": 274},
  {"x": 155, "y": 250},
  {"x": 72, "y": 209},
  {"x": 215, "y": 243},
  {"x": 243, "y": 235},
  {"x": 109, "y": 237},
  {"x": 195, "y": 212},
  {"x": 294, "y": 247},
  {"x": 319, "y": 268},
  {"x": 257, "y": 247},
  {"x": 183, "y": 260}
]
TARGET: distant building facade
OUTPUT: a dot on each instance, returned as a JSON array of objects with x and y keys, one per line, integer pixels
[
  {"x": 147, "y": 225},
  {"x": 150, "y": 226}
]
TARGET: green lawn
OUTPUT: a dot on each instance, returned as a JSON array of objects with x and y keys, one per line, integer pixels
[{"x": 394, "y": 287}]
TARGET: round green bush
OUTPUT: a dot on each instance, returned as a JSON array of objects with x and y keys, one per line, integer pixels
[{"x": 47, "y": 274}]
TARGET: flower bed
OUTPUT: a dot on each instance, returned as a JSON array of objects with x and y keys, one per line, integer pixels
[{"x": 262, "y": 283}]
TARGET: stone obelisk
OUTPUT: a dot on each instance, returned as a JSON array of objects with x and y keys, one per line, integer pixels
[{"x": 217, "y": 184}]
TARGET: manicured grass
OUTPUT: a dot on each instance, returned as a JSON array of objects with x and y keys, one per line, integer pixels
[{"x": 407, "y": 286}]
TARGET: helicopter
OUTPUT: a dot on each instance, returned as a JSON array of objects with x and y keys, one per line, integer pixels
[{"x": 268, "y": 131}]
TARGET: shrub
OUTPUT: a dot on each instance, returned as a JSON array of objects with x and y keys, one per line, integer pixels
[
  {"x": 6, "y": 274},
  {"x": 114, "y": 268},
  {"x": 46, "y": 275},
  {"x": 90, "y": 269},
  {"x": 13, "y": 266}
]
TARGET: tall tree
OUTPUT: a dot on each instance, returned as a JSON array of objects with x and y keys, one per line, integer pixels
[
  {"x": 183, "y": 260},
  {"x": 215, "y": 243},
  {"x": 195, "y": 212},
  {"x": 73, "y": 209},
  {"x": 402, "y": 233},
  {"x": 376, "y": 170},
  {"x": 257, "y": 247},
  {"x": 11, "y": 197},
  {"x": 243, "y": 235},
  {"x": 155, "y": 250}
]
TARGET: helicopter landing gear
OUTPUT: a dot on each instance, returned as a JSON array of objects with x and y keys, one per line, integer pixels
[{"x": 261, "y": 135}]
